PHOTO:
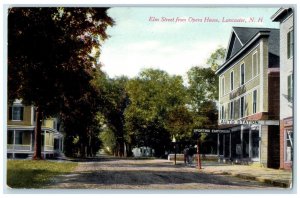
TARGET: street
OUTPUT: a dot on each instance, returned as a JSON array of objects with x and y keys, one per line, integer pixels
[{"x": 112, "y": 173}]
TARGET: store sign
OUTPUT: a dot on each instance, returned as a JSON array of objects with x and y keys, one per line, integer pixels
[
  {"x": 211, "y": 131},
  {"x": 249, "y": 122}
]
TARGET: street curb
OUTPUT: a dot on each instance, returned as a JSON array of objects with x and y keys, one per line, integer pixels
[{"x": 284, "y": 184}]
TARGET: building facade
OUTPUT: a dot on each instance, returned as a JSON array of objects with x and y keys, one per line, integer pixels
[
  {"x": 20, "y": 133},
  {"x": 285, "y": 17},
  {"x": 249, "y": 97}
]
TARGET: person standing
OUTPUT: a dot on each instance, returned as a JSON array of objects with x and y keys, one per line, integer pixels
[
  {"x": 185, "y": 154},
  {"x": 190, "y": 155}
]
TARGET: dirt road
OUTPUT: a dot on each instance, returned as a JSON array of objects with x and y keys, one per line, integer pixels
[{"x": 147, "y": 174}]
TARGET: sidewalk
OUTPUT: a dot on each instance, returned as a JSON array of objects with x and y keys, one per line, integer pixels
[{"x": 276, "y": 177}]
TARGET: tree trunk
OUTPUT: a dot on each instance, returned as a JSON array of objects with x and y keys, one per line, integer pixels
[
  {"x": 37, "y": 134},
  {"x": 120, "y": 147},
  {"x": 83, "y": 145}
]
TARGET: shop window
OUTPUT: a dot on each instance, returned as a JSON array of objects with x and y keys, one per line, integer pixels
[{"x": 255, "y": 143}]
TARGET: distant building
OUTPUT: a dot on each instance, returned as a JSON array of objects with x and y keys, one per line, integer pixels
[
  {"x": 143, "y": 152},
  {"x": 20, "y": 133},
  {"x": 285, "y": 17},
  {"x": 249, "y": 97}
]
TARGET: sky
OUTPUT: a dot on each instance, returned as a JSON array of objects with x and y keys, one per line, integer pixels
[{"x": 138, "y": 41}]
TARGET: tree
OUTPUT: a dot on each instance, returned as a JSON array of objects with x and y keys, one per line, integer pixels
[
  {"x": 153, "y": 97},
  {"x": 180, "y": 123},
  {"x": 80, "y": 120},
  {"x": 216, "y": 58},
  {"x": 116, "y": 100},
  {"x": 50, "y": 59},
  {"x": 203, "y": 90}
]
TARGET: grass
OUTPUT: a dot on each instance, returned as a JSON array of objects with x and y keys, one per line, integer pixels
[{"x": 35, "y": 173}]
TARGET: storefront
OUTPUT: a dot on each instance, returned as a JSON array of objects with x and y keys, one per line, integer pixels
[
  {"x": 287, "y": 143},
  {"x": 250, "y": 143}
]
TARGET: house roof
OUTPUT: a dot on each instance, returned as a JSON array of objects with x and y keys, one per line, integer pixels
[
  {"x": 281, "y": 13},
  {"x": 242, "y": 36}
]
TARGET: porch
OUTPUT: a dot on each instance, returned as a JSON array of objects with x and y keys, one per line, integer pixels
[{"x": 20, "y": 142}]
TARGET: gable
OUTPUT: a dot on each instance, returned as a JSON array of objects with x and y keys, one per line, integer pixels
[{"x": 234, "y": 46}]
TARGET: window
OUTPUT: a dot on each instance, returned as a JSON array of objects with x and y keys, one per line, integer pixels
[
  {"x": 16, "y": 113},
  {"x": 290, "y": 44},
  {"x": 254, "y": 65},
  {"x": 242, "y": 74},
  {"x": 231, "y": 110},
  {"x": 290, "y": 88},
  {"x": 242, "y": 106},
  {"x": 231, "y": 80},
  {"x": 254, "y": 101},
  {"x": 288, "y": 145},
  {"x": 222, "y": 113},
  {"x": 223, "y": 86}
]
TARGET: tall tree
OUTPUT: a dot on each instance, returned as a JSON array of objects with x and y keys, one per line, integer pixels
[
  {"x": 50, "y": 56},
  {"x": 153, "y": 96}
]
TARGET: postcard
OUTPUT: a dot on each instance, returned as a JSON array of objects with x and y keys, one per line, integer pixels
[{"x": 150, "y": 98}]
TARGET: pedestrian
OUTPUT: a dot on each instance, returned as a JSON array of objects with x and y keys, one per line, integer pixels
[
  {"x": 185, "y": 154},
  {"x": 190, "y": 155}
]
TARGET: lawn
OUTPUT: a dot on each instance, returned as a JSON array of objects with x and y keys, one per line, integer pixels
[{"x": 35, "y": 173}]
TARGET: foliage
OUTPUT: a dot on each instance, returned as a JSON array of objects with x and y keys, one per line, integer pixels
[
  {"x": 203, "y": 90},
  {"x": 115, "y": 102},
  {"x": 153, "y": 96},
  {"x": 35, "y": 174},
  {"x": 180, "y": 123},
  {"x": 203, "y": 86},
  {"x": 216, "y": 58},
  {"x": 109, "y": 140},
  {"x": 52, "y": 53}
]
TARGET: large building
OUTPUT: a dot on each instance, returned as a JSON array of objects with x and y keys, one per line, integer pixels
[
  {"x": 249, "y": 97},
  {"x": 285, "y": 17},
  {"x": 20, "y": 133}
]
